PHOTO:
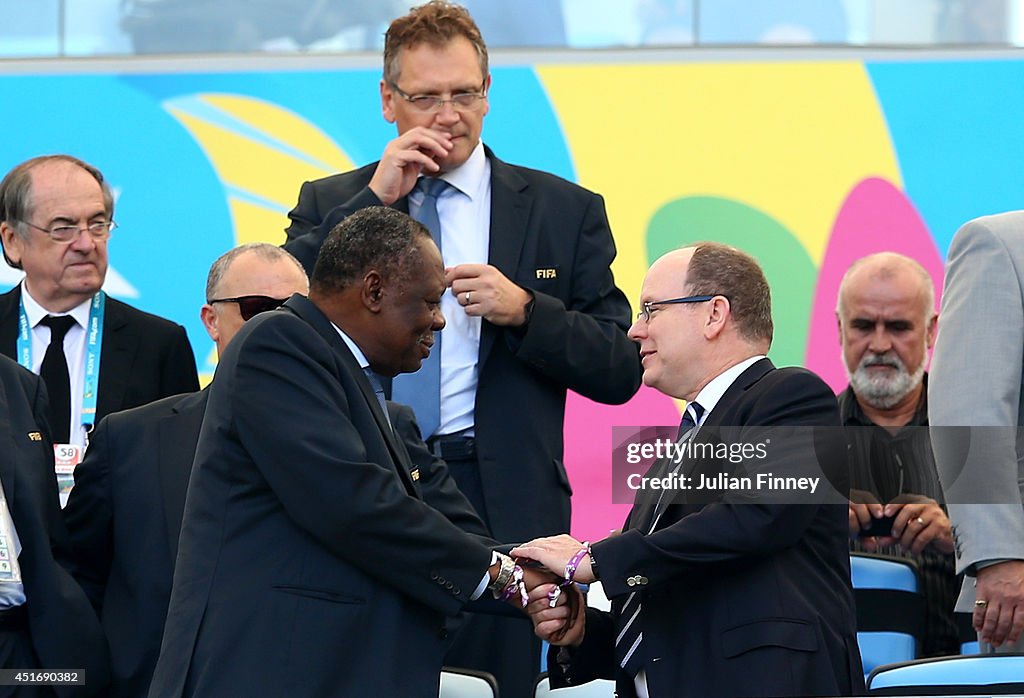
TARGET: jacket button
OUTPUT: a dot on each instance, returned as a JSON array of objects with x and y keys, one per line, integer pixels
[{"x": 642, "y": 580}]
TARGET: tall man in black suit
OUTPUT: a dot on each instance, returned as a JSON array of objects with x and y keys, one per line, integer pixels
[
  {"x": 731, "y": 592},
  {"x": 308, "y": 562},
  {"x": 533, "y": 309},
  {"x": 45, "y": 619},
  {"x": 56, "y": 215},
  {"x": 124, "y": 513}
]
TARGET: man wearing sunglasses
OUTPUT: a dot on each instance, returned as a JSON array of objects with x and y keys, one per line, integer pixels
[
  {"x": 125, "y": 510},
  {"x": 96, "y": 354},
  {"x": 533, "y": 310}
]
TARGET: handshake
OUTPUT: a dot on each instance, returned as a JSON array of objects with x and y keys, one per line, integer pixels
[{"x": 542, "y": 580}]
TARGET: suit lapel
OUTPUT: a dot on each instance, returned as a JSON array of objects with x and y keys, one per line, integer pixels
[
  {"x": 177, "y": 434},
  {"x": 721, "y": 415},
  {"x": 305, "y": 309},
  {"x": 115, "y": 359},
  {"x": 510, "y": 212}
]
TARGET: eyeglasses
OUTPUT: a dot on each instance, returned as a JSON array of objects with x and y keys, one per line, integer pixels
[
  {"x": 429, "y": 104},
  {"x": 647, "y": 306},
  {"x": 98, "y": 230},
  {"x": 251, "y": 306}
]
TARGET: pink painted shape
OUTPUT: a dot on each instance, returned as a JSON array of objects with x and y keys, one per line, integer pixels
[
  {"x": 875, "y": 217},
  {"x": 588, "y": 455}
]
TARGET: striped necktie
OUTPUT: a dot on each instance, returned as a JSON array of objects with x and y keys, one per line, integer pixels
[{"x": 629, "y": 641}]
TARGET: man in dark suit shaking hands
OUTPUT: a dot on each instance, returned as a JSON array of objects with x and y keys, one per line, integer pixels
[
  {"x": 533, "y": 310},
  {"x": 124, "y": 513},
  {"x": 308, "y": 563},
  {"x": 730, "y": 592}
]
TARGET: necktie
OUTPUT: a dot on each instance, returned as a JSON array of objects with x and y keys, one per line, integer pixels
[
  {"x": 629, "y": 641},
  {"x": 54, "y": 372},
  {"x": 422, "y": 390},
  {"x": 378, "y": 390}
]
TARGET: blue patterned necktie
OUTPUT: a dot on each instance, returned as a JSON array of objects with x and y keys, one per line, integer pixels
[
  {"x": 422, "y": 390},
  {"x": 629, "y": 641},
  {"x": 378, "y": 390}
]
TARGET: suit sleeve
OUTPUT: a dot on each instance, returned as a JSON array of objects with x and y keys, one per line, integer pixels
[
  {"x": 179, "y": 369},
  {"x": 976, "y": 382},
  {"x": 438, "y": 488},
  {"x": 89, "y": 517},
  {"x": 593, "y": 659},
  {"x": 321, "y": 475},
  {"x": 310, "y": 225},
  {"x": 583, "y": 344},
  {"x": 740, "y": 529}
]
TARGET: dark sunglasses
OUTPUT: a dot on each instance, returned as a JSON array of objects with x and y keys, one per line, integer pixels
[{"x": 251, "y": 306}]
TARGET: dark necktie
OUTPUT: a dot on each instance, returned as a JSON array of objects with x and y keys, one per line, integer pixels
[
  {"x": 54, "y": 372},
  {"x": 422, "y": 390},
  {"x": 629, "y": 640}
]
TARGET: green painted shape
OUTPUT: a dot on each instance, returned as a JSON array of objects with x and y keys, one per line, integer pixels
[{"x": 787, "y": 266}]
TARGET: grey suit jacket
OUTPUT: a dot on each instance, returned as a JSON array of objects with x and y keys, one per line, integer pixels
[{"x": 976, "y": 382}]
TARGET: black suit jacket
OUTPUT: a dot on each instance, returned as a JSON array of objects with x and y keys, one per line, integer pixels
[
  {"x": 144, "y": 357},
  {"x": 308, "y": 564},
  {"x": 64, "y": 630},
  {"x": 551, "y": 237},
  {"x": 125, "y": 514},
  {"x": 740, "y": 596}
]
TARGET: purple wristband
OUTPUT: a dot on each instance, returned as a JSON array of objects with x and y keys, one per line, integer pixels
[{"x": 574, "y": 562}]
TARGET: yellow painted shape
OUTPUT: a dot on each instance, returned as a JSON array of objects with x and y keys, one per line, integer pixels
[
  {"x": 254, "y": 223},
  {"x": 284, "y": 126},
  {"x": 251, "y": 166},
  {"x": 790, "y": 139}
]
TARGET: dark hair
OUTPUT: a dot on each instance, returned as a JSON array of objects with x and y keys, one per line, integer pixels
[
  {"x": 378, "y": 238},
  {"x": 722, "y": 270},
  {"x": 436, "y": 23},
  {"x": 16, "y": 205}
]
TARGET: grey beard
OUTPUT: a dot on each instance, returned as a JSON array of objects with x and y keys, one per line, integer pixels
[{"x": 884, "y": 392}]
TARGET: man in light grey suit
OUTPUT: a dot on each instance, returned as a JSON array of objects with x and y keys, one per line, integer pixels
[{"x": 976, "y": 382}]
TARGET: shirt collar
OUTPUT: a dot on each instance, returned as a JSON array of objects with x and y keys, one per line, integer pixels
[
  {"x": 35, "y": 312},
  {"x": 712, "y": 393},
  {"x": 470, "y": 177},
  {"x": 353, "y": 347}
]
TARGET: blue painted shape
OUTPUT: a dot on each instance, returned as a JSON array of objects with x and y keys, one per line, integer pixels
[{"x": 955, "y": 126}]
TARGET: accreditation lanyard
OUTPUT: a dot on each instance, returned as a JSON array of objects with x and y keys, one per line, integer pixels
[{"x": 93, "y": 347}]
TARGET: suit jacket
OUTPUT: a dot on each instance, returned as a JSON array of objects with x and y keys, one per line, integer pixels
[
  {"x": 740, "y": 597},
  {"x": 307, "y": 564},
  {"x": 144, "y": 357},
  {"x": 125, "y": 514},
  {"x": 977, "y": 383},
  {"x": 541, "y": 225},
  {"x": 64, "y": 631}
]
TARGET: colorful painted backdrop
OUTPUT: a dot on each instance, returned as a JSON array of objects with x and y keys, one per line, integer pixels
[{"x": 807, "y": 165}]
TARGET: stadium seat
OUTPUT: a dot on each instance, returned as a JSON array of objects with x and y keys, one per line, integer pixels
[
  {"x": 890, "y": 608},
  {"x": 467, "y": 683},
  {"x": 599, "y": 688},
  {"x": 989, "y": 674}
]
